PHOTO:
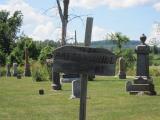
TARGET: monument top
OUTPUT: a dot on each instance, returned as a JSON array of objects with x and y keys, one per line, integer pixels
[{"x": 143, "y": 38}]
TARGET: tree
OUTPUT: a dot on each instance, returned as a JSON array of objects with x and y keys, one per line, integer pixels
[
  {"x": 119, "y": 39},
  {"x": 64, "y": 19},
  {"x": 46, "y": 53},
  {"x": 9, "y": 27}
]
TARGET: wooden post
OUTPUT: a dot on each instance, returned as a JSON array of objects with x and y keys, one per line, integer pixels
[
  {"x": 82, "y": 113},
  {"x": 75, "y": 38},
  {"x": 88, "y": 32},
  {"x": 84, "y": 77}
]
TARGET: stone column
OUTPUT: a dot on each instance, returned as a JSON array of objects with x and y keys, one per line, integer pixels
[
  {"x": 15, "y": 71},
  {"x": 8, "y": 73},
  {"x": 142, "y": 60},
  {"x": 122, "y": 68},
  {"x": 56, "y": 81},
  {"x": 27, "y": 71}
]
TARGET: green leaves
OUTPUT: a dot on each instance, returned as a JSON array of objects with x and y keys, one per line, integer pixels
[{"x": 9, "y": 27}]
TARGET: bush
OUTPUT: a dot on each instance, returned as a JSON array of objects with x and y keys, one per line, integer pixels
[
  {"x": 46, "y": 53},
  {"x": 154, "y": 70},
  {"x": 39, "y": 72}
]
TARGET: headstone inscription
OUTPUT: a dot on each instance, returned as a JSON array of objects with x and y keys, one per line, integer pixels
[
  {"x": 15, "y": 71},
  {"x": 122, "y": 68},
  {"x": 143, "y": 82},
  {"x": 84, "y": 60},
  {"x": 8, "y": 72}
]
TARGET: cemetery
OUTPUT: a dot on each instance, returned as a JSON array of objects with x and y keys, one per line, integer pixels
[{"x": 76, "y": 80}]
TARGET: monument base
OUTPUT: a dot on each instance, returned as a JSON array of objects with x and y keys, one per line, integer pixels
[
  {"x": 141, "y": 84},
  {"x": 56, "y": 87}
]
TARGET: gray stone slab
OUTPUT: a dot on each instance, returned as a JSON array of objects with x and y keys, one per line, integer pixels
[{"x": 76, "y": 89}]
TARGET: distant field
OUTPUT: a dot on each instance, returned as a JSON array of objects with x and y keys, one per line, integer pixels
[{"x": 19, "y": 100}]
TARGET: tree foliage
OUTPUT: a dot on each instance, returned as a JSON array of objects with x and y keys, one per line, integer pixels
[
  {"x": 46, "y": 53},
  {"x": 119, "y": 39},
  {"x": 9, "y": 27}
]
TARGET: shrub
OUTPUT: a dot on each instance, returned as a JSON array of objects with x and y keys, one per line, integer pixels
[
  {"x": 46, "y": 53},
  {"x": 39, "y": 72}
]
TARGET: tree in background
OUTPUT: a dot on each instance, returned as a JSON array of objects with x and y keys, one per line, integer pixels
[
  {"x": 9, "y": 27},
  {"x": 64, "y": 19},
  {"x": 46, "y": 53},
  {"x": 119, "y": 39},
  {"x": 17, "y": 54}
]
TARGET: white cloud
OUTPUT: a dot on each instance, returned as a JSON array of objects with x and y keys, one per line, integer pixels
[
  {"x": 157, "y": 6},
  {"x": 35, "y": 24},
  {"x": 98, "y": 33},
  {"x": 109, "y": 3}
]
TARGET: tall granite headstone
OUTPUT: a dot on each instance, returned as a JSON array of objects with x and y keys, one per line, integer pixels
[
  {"x": 142, "y": 82},
  {"x": 27, "y": 71},
  {"x": 15, "y": 70},
  {"x": 8, "y": 72},
  {"x": 122, "y": 68}
]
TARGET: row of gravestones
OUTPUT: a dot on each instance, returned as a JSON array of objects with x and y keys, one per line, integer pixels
[
  {"x": 27, "y": 71},
  {"x": 15, "y": 71}
]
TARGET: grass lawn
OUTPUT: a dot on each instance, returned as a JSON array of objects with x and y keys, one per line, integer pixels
[{"x": 19, "y": 100}]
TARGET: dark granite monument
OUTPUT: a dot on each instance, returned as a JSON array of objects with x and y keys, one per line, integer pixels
[
  {"x": 8, "y": 72},
  {"x": 143, "y": 82},
  {"x": 122, "y": 68}
]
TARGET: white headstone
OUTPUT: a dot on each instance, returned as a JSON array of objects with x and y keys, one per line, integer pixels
[
  {"x": 76, "y": 89},
  {"x": 15, "y": 71}
]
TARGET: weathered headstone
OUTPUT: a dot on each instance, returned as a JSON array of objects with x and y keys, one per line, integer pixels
[
  {"x": 15, "y": 70},
  {"x": 8, "y": 72},
  {"x": 122, "y": 68},
  {"x": 76, "y": 89},
  {"x": 56, "y": 80},
  {"x": 143, "y": 82},
  {"x": 27, "y": 71}
]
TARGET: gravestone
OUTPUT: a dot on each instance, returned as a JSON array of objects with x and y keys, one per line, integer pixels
[
  {"x": 76, "y": 89},
  {"x": 56, "y": 80},
  {"x": 27, "y": 71},
  {"x": 122, "y": 68},
  {"x": 142, "y": 82},
  {"x": 8, "y": 73},
  {"x": 15, "y": 70}
]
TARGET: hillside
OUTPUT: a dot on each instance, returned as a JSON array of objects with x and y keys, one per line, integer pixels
[{"x": 109, "y": 44}]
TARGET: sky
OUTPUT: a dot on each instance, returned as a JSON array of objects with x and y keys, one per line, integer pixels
[{"x": 130, "y": 17}]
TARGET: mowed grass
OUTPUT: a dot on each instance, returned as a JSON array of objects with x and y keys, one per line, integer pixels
[{"x": 107, "y": 100}]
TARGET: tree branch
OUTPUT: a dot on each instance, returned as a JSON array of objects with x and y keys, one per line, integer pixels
[{"x": 60, "y": 11}]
